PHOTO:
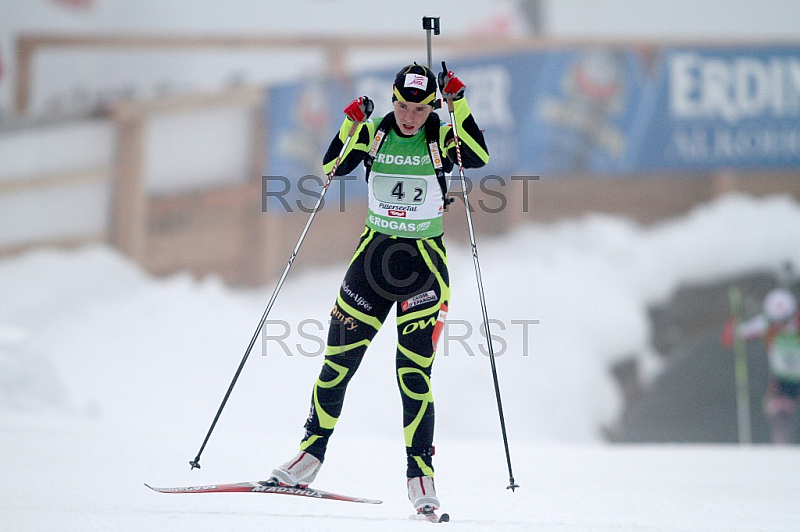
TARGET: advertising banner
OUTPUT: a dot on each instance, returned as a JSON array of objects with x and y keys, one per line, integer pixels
[{"x": 590, "y": 111}]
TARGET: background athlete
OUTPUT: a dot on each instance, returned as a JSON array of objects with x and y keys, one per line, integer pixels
[{"x": 779, "y": 327}]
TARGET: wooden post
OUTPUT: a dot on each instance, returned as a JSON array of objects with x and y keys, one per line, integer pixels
[
  {"x": 254, "y": 262},
  {"x": 22, "y": 79},
  {"x": 129, "y": 224}
]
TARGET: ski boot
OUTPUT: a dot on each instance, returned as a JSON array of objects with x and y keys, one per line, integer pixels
[
  {"x": 300, "y": 471},
  {"x": 422, "y": 493}
]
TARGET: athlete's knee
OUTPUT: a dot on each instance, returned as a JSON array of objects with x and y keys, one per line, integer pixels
[{"x": 414, "y": 382}]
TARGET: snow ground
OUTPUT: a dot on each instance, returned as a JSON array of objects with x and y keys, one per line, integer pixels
[
  {"x": 565, "y": 488},
  {"x": 109, "y": 378}
]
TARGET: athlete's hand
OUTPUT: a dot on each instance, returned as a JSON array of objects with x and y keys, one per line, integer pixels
[
  {"x": 450, "y": 86},
  {"x": 359, "y": 109}
]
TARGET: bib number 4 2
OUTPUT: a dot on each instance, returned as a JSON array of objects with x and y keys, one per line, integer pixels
[{"x": 399, "y": 193}]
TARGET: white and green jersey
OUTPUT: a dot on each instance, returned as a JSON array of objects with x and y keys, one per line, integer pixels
[
  {"x": 782, "y": 343},
  {"x": 405, "y": 198}
]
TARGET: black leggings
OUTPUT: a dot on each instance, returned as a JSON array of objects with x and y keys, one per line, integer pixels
[{"x": 386, "y": 271}]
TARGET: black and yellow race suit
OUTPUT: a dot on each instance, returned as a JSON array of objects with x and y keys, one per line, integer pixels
[{"x": 400, "y": 261}]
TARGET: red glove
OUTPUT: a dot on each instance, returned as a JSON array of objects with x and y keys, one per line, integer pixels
[
  {"x": 450, "y": 86},
  {"x": 728, "y": 331},
  {"x": 359, "y": 109}
]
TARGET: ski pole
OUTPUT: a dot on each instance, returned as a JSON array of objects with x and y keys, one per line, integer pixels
[
  {"x": 740, "y": 367},
  {"x": 196, "y": 462},
  {"x": 430, "y": 24},
  {"x": 511, "y": 484}
]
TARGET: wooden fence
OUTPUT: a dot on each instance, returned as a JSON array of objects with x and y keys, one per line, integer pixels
[{"x": 222, "y": 230}]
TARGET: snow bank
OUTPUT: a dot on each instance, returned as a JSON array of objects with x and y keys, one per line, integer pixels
[{"x": 156, "y": 355}]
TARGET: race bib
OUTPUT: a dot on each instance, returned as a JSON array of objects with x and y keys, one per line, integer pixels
[{"x": 401, "y": 190}]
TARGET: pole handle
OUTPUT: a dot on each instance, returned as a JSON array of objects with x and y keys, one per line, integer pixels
[
  {"x": 450, "y": 106},
  {"x": 431, "y": 24}
]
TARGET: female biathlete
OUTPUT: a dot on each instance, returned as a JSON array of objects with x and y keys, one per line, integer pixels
[{"x": 400, "y": 261}]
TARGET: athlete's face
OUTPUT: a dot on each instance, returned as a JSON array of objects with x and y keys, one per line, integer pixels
[{"x": 411, "y": 116}]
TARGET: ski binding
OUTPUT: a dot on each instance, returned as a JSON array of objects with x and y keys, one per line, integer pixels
[{"x": 428, "y": 513}]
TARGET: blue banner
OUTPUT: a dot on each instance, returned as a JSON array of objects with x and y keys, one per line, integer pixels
[
  {"x": 715, "y": 108},
  {"x": 583, "y": 111}
]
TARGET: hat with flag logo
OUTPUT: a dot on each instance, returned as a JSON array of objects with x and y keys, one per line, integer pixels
[{"x": 415, "y": 83}]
